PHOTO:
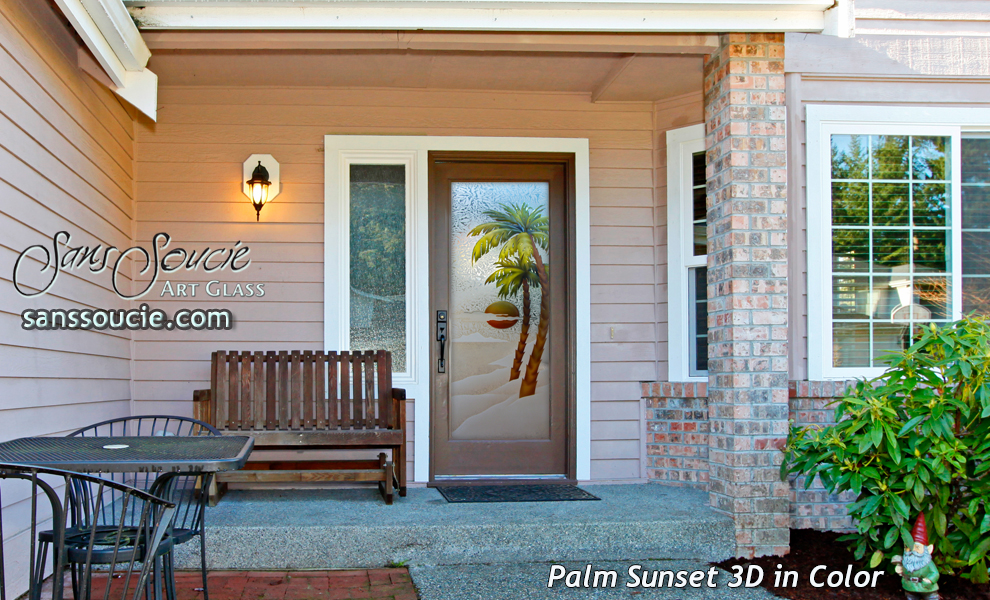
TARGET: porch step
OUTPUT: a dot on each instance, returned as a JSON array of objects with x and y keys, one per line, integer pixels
[
  {"x": 353, "y": 528},
  {"x": 528, "y": 581}
]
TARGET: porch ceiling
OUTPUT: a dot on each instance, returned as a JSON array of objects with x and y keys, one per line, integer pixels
[{"x": 605, "y": 76}]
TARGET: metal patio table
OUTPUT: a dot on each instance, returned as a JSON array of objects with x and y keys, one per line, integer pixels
[{"x": 145, "y": 454}]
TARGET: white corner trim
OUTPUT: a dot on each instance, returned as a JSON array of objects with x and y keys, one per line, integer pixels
[
  {"x": 341, "y": 148},
  {"x": 840, "y": 20},
  {"x": 108, "y": 31},
  {"x": 681, "y": 144},
  {"x": 495, "y": 15}
]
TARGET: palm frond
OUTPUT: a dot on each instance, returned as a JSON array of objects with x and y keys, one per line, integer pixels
[{"x": 515, "y": 228}]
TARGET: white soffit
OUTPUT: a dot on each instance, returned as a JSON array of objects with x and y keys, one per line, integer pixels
[
  {"x": 489, "y": 15},
  {"x": 108, "y": 31}
]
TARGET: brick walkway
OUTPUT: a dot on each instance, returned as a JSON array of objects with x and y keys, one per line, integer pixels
[{"x": 383, "y": 584}]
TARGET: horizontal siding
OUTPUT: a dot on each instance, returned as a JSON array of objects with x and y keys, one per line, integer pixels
[
  {"x": 923, "y": 17},
  {"x": 66, "y": 163},
  {"x": 187, "y": 183},
  {"x": 887, "y": 55}
]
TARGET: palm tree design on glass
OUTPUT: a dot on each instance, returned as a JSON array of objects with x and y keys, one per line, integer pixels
[
  {"x": 513, "y": 275},
  {"x": 518, "y": 232}
]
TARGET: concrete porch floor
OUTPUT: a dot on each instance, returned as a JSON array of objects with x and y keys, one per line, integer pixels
[{"x": 353, "y": 528}]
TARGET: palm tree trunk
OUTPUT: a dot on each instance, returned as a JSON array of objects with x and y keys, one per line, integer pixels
[
  {"x": 523, "y": 335},
  {"x": 528, "y": 385}
]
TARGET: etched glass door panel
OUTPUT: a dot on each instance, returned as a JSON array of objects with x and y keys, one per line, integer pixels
[
  {"x": 499, "y": 311},
  {"x": 500, "y": 297}
]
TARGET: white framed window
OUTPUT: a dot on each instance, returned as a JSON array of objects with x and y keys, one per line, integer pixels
[
  {"x": 687, "y": 255},
  {"x": 898, "y": 229}
]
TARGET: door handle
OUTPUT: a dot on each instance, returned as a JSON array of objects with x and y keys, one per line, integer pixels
[{"x": 442, "y": 338}]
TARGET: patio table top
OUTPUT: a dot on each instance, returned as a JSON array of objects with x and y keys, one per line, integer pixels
[{"x": 200, "y": 454}]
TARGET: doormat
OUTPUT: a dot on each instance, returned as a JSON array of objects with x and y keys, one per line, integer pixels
[{"x": 514, "y": 493}]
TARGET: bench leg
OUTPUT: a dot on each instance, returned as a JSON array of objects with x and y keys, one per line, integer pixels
[
  {"x": 216, "y": 491},
  {"x": 399, "y": 455},
  {"x": 386, "y": 487}
]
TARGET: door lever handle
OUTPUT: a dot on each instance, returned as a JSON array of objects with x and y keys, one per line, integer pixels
[
  {"x": 441, "y": 367},
  {"x": 442, "y": 338}
]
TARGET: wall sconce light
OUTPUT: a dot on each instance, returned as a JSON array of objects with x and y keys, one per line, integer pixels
[{"x": 261, "y": 181}]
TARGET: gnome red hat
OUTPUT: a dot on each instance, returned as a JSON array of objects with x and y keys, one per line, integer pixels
[{"x": 920, "y": 531}]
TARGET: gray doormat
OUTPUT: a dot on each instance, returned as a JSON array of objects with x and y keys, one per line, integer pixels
[{"x": 514, "y": 493}]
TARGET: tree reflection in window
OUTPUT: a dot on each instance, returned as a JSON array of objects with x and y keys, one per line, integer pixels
[{"x": 890, "y": 242}]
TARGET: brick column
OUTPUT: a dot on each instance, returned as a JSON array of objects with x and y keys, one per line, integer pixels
[{"x": 747, "y": 287}]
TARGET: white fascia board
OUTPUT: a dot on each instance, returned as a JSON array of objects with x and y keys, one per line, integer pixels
[
  {"x": 108, "y": 31},
  {"x": 117, "y": 26},
  {"x": 598, "y": 15}
]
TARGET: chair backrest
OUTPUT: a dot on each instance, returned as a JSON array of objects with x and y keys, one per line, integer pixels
[
  {"x": 28, "y": 491},
  {"x": 160, "y": 425},
  {"x": 302, "y": 390},
  {"x": 180, "y": 489}
]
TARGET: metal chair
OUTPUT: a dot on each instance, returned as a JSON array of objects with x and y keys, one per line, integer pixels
[
  {"x": 180, "y": 488},
  {"x": 124, "y": 555}
]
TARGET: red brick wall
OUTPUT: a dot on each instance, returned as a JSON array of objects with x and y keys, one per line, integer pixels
[
  {"x": 677, "y": 441},
  {"x": 815, "y": 508},
  {"x": 677, "y": 433}
]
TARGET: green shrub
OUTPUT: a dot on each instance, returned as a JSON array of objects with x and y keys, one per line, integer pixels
[{"x": 917, "y": 438}]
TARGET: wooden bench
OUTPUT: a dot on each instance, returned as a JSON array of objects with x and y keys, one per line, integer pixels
[{"x": 312, "y": 401}]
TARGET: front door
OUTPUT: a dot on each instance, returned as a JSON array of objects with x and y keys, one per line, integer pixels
[{"x": 500, "y": 316}]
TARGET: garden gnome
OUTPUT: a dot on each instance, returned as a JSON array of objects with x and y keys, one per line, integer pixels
[{"x": 919, "y": 577}]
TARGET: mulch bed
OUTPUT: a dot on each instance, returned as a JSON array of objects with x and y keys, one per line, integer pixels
[{"x": 811, "y": 548}]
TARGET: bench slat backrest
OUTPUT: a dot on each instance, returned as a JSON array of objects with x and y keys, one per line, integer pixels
[{"x": 302, "y": 390}]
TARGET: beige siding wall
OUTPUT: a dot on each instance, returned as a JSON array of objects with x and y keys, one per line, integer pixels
[
  {"x": 923, "y": 17},
  {"x": 674, "y": 113},
  {"x": 66, "y": 161},
  {"x": 822, "y": 70},
  {"x": 188, "y": 184}
]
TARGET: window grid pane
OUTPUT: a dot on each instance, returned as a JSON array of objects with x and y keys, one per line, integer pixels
[
  {"x": 976, "y": 225},
  {"x": 698, "y": 276},
  {"x": 891, "y": 243},
  {"x": 698, "y": 320},
  {"x": 699, "y": 204}
]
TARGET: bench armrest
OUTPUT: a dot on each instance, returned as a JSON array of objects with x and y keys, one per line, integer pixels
[{"x": 202, "y": 406}]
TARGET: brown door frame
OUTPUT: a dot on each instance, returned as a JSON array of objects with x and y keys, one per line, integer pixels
[{"x": 441, "y": 227}]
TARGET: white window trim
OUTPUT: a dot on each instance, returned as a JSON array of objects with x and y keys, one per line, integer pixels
[
  {"x": 822, "y": 122},
  {"x": 681, "y": 145},
  {"x": 366, "y": 148}
]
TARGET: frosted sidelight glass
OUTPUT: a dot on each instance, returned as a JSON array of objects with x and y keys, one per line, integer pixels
[{"x": 378, "y": 260}]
